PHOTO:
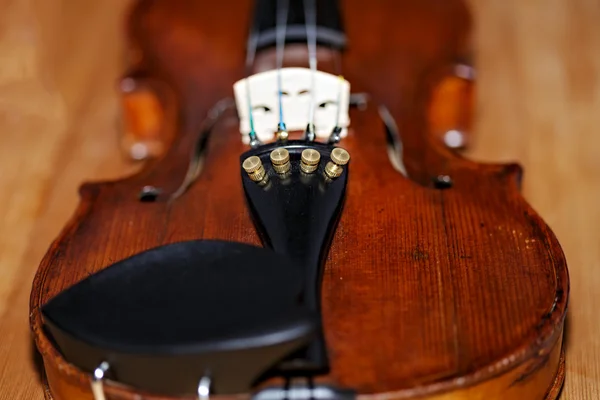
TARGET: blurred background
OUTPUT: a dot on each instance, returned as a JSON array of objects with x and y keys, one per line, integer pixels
[{"x": 538, "y": 103}]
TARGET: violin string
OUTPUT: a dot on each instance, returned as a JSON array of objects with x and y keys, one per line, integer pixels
[
  {"x": 280, "y": 29},
  {"x": 335, "y": 56},
  {"x": 338, "y": 70},
  {"x": 335, "y": 135},
  {"x": 310, "y": 13},
  {"x": 250, "y": 55},
  {"x": 339, "y": 101}
]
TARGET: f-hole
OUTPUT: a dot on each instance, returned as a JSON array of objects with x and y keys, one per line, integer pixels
[{"x": 148, "y": 194}]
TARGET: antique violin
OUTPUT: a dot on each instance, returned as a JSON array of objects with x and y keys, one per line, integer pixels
[{"x": 304, "y": 226}]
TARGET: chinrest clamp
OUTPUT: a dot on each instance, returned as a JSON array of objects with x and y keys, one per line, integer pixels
[
  {"x": 204, "y": 388},
  {"x": 97, "y": 383}
]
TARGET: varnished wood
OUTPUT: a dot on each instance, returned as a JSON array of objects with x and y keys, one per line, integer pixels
[{"x": 534, "y": 184}]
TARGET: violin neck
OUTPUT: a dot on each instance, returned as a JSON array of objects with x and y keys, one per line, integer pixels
[{"x": 330, "y": 30}]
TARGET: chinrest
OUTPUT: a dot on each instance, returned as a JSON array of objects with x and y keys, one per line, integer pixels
[{"x": 168, "y": 316}]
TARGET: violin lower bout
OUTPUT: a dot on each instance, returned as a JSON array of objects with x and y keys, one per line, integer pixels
[{"x": 527, "y": 381}]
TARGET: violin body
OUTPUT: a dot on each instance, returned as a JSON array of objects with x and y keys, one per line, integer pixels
[{"x": 432, "y": 288}]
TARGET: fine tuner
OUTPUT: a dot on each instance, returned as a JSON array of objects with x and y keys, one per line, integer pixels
[{"x": 308, "y": 163}]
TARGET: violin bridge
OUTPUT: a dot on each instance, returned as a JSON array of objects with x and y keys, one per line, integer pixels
[{"x": 331, "y": 102}]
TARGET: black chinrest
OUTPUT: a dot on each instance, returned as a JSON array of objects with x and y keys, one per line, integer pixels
[{"x": 167, "y": 316}]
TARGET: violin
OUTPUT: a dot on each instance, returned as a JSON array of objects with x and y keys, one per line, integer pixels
[{"x": 304, "y": 225}]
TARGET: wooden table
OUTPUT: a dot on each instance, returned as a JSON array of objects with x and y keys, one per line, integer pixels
[{"x": 539, "y": 104}]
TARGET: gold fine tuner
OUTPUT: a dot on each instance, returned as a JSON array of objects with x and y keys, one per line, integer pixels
[
  {"x": 335, "y": 167},
  {"x": 280, "y": 158},
  {"x": 310, "y": 160},
  {"x": 254, "y": 168},
  {"x": 282, "y": 135}
]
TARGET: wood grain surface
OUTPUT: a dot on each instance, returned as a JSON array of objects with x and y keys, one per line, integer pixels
[{"x": 537, "y": 94}]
